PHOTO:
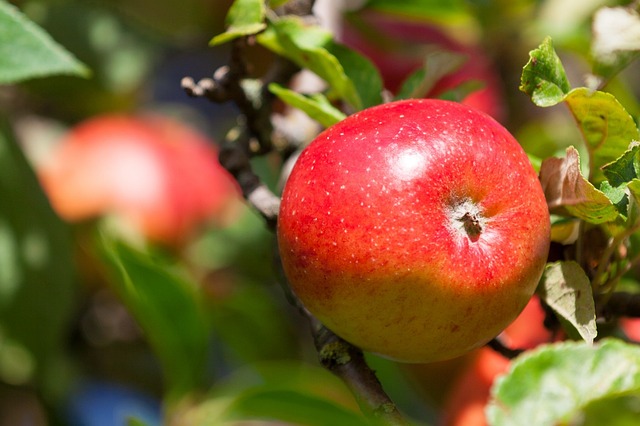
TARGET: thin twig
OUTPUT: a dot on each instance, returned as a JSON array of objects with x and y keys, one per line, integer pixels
[{"x": 500, "y": 347}]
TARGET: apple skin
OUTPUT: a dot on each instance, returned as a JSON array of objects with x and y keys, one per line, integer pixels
[
  {"x": 375, "y": 237},
  {"x": 158, "y": 176},
  {"x": 396, "y": 45}
]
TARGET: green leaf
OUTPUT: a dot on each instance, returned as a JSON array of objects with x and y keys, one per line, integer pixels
[
  {"x": 245, "y": 17},
  {"x": 554, "y": 384},
  {"x": 287, "y": 391},
  {"x": 441, "y": 10},
  {"x": 616, "y": 40},
  {"x": 567, "y": 191},
  {"x": 625, "y": 168},
  {"x": 620, "y": 410},
  {"x": 315, "y": 106},
  {"x": 308, "y": 46},
  {"x": 617, "y": 195},
  {"x": 27, "y": 51},
  {"x": 361, "y": 71},
  {"x": 634, "y": 188},
  {"x": 277, "y": 3},
  {"x": 250, "y": 324},
  {"x": 37, "y": 277},
  {"x": 606, "y": 126},
  {"x": 567, "y": 290},
  {"x": 437, "y": 64},
  {"x": 294, "y": 407},
  {"x": 167, "y": 308},
  {"x": 543, "y": 77}
]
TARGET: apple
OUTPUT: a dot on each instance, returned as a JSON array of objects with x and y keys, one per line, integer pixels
[
  {"x": 466, "y": 402},
  {"x": 415, "y": 229},
  {"x": 468, "y": 395},
  {"x": 156, "y": 175},
  {"x": 397, "y": 46}
]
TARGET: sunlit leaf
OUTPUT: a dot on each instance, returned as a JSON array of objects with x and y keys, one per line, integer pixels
[
  {"x": 308, "y": 46},
  {"x": 245, "y": 17},
  {"x": 625, "y": 168},
  {"x": 543, "y": 77},
  {"x": 27, "y": 51},
  {"x": 315, "y": 106},
  {"x": 606, "y": 126},
  {"x": 567, "y": 290},
  {"x": 554, "y": 384},
  {"x": 567, "y": 190},
  {"x": 361, "y": 71}
]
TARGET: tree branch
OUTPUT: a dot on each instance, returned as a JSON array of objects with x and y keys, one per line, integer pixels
[
  {"x": 500, "y": 347},
  {"x": 621, "y": 304},
  {"x": 347, "y": 362}
]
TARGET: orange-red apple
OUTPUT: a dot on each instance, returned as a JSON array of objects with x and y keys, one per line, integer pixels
[
  {"x": 156, "y": 175},
  {"x": 468, "y": 395},
  {"x": 397, "y": 46},
  {"x": 416, "y": 229}
]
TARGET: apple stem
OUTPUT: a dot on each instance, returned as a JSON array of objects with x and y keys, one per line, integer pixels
[{"x": 472, "y": 225}]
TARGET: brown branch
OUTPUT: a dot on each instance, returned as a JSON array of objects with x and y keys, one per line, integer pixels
[
  {"x": 500, "y": 347},
  {"x": 621, "y": 304},
  {"x": 347, "y": 362}
]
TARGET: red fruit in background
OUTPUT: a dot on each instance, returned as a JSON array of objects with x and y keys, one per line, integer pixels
[
  {"x": 631, "y": 327},
  {"x": 468, "y": 396},
  {"x": 397, "y": 47},
  {"x": 156, "y": 175}
]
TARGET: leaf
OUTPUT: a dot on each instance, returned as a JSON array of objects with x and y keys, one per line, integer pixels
[
  {"x": 625, "y": 168},
  {"x": 361, "y": 71},
  {"x": 443, "y": 10},
  {"x": 315, "y": 106},
  {"x": 27, "y": 51},
  {"x": 287, "y": 391},
  {"x": 606, "y": 126},
  {"x": 37, "y": 276},
  {"x": 555, "y": 383},
  {"x": 245, "y": 17},
  {"x": 616, "y": 39},
  {"x": 437, "y": 64},
  {"x": 543, "y": 77},
  {"x": 294, "y": 407},
  {"x": 567, "y": 290},
  {"x": 567, "y": 190},
  {"x": 167, "y": 308},
  {"x": 307, "y": 46}
]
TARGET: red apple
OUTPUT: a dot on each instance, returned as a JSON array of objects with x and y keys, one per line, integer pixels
[
  {"x": 470, "y": 393},
  {"x": 397, "y": 47},
  {"x": 466, "y": 399},
  {"x": 415, "y": 229},
  {"x": 156, "y": 175}
]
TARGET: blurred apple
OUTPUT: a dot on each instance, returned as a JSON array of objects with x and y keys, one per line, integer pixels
[
  {"x": 398, "y": 47},
  {"x": 465, "y": 402},
  {"x": 631, "y": 327},
  {"x": 156, "y": 176}
]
